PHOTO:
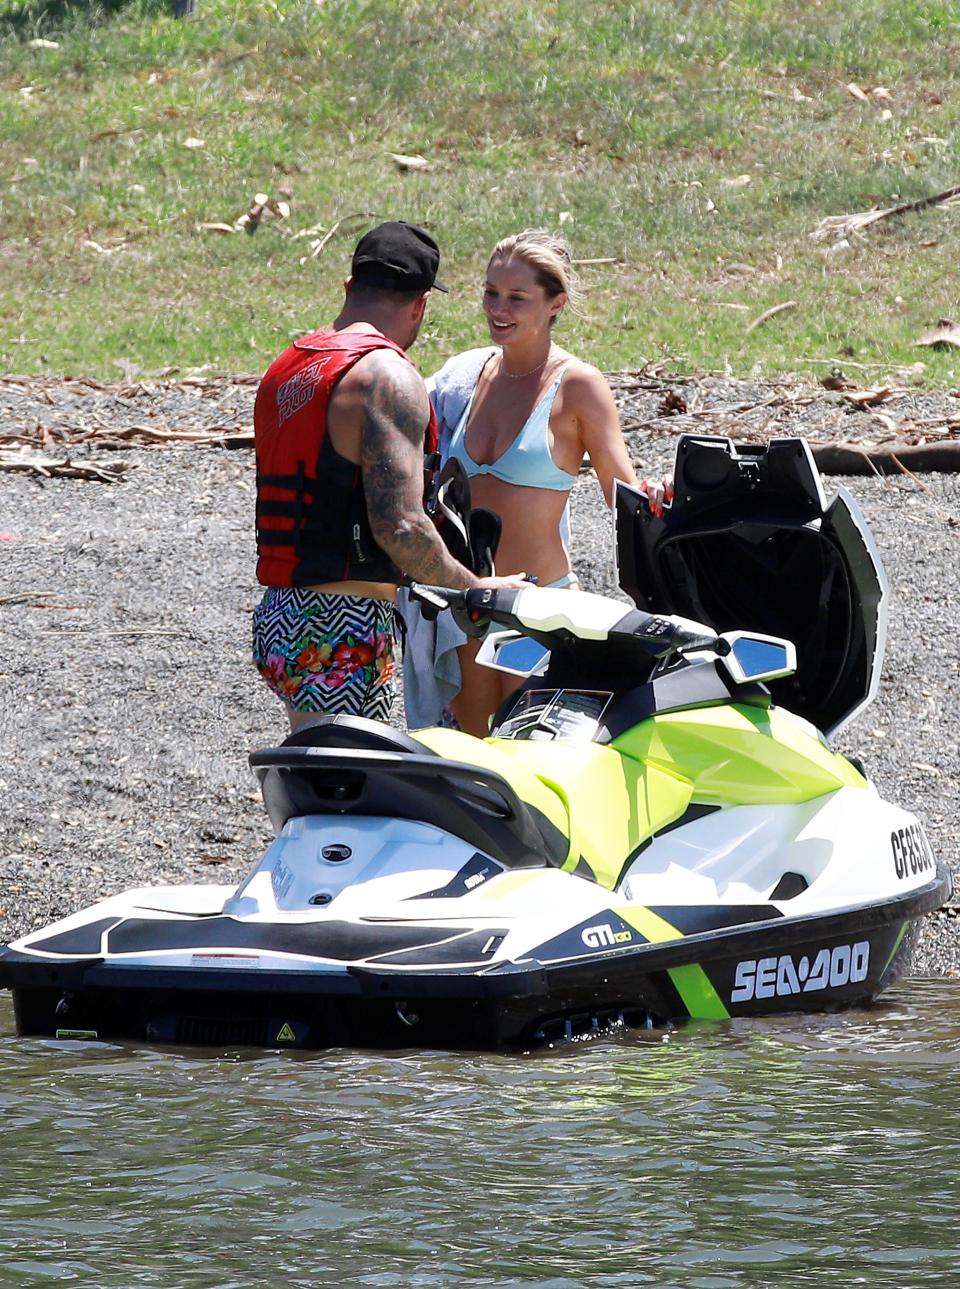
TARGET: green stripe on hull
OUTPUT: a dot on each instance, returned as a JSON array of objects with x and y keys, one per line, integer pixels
[
  {"x": 691, "y": 982},
  {"x": 893, "y": 952},
  {"x": 651, "y": 926},
  {"x": 699, "y": 996}
]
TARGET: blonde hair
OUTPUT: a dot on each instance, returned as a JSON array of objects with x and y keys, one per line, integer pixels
[{"x": 550, "y": 257}]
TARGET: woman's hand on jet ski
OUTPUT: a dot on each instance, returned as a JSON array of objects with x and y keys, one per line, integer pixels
[{"x": 659, "y": 493}]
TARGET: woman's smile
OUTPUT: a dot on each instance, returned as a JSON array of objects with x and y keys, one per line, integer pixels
[{"x": 517, "y": 307}]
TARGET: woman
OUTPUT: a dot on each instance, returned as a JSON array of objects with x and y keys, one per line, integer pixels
[{"x": 520, "y": 417}]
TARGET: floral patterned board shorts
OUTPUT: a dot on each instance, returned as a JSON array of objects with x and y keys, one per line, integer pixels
[{"x": 326, "y": 653}]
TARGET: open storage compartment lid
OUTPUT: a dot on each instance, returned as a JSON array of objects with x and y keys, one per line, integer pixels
[{"x": 750, "y": 543}]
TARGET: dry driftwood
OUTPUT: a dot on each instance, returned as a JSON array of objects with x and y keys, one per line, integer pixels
[
  {"x": 887, "y": 458},
  {"x": 48, "y": 467},
  {"x": 653, "y": 400},
  {"x": 124, "y": 436}
]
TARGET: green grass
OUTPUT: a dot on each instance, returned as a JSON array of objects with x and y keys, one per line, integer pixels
[{"x": 630, "y": 123}]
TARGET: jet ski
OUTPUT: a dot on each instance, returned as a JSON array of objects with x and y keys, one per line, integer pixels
[{"x": 656, "y": 829}]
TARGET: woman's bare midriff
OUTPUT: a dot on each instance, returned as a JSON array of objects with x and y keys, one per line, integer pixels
[
  {"x": 369, "y": 590},
  {"x": 530, "y": 542}
]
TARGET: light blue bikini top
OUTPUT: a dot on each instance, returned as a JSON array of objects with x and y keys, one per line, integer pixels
[{"x": 527, "y": 461}]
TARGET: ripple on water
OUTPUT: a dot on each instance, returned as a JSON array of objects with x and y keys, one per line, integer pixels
[{"x": 802, "y": 1150}]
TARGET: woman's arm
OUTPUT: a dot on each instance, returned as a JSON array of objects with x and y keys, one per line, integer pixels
[
  {"x": 599, "y": 426},
  {"x": 602, "y": 440}
]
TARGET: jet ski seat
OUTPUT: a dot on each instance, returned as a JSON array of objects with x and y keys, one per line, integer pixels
[{"x": 471, "y": 801}]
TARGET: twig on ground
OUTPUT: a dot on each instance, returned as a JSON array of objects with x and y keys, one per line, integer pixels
[
  {"x": 771, "y": 313},
  {"x": 110, "y": 436},
  {"x": 909, "y": 473},
  {"x": 19, "y": 596},
  {"x": 66, "y": 468},
  {"x": 845, "y": 362},
  {"x": 318, "y": 249}
]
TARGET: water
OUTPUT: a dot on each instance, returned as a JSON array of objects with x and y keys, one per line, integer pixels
[{"x": 794, "y": 1152}]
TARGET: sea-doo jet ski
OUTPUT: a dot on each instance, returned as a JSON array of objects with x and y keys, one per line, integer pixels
[{"x": 656, "y": 828}]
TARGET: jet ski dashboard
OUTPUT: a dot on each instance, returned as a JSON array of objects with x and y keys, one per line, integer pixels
[{"x": 593, "y": 666}]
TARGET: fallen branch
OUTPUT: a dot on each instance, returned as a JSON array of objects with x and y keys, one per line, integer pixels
[
  {"x": 847, "y": 458},
  {"x": 845, "y": 362},
  {"x": 124, "y": 436},
  {"x": 241, "y": 439},
  {"x": 66, "y": 468},
  {"x": 130, "y": 389},
  {"x": 839, "y": 226},
  {"x": 909, "y": 473},
  {"x": 213, "y": 434},
  {"x": 317, "y": 250}
]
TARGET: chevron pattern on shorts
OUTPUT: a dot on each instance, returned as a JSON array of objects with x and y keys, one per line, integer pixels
[{"x": 326, "y": 653}]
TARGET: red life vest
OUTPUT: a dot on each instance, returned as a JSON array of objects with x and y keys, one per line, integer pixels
[{"x": 312, "y": 523}]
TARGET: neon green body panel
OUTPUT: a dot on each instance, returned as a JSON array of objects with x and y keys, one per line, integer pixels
[
  {"x": 613, "y": 803},
  {"x": 741, "y": 756},
  {"x": 608, "y": 799},
  {"x": 699, "y": 996}
]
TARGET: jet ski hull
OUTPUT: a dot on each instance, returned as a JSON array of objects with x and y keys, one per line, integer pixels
[{"x": 817, "y": 962}]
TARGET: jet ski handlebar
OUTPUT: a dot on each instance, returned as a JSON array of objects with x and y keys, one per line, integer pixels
[{"x": 550, "y": 615}]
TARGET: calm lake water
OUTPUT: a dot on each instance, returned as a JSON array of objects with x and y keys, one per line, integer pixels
[{"x": 796, "y": 1152}]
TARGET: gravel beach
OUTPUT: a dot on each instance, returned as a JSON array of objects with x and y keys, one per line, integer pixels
[{"x": 128, "y": 704}]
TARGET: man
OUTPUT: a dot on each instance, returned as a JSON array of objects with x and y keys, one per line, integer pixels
[{"x": 341, "y": 425}]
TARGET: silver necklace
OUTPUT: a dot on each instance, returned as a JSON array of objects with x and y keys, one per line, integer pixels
[{"x": 519, "y": 375}]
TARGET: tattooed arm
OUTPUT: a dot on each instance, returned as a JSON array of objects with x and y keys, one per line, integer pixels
[{"x": 394, "y": 417}]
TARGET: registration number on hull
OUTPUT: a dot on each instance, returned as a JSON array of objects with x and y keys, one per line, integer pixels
[{"x": 845, "y": 964}]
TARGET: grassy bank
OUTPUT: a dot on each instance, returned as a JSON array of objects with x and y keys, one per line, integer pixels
[{"x": 695, "y": 144}]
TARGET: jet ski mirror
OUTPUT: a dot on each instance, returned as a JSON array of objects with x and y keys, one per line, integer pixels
[
  {"x": 754, "y": 657},
  {"x": 514, "y": 653}
]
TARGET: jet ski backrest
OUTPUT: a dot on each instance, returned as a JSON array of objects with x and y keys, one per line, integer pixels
[
  {"x": 791, "y": 582},
  {"x": 352, "y": 731},
  {"x": 346, "y": 765}
]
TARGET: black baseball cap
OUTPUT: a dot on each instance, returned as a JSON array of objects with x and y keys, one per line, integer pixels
[{"x": 397, "y": 256}]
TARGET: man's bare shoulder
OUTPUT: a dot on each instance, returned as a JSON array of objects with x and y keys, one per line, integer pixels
[
  {"x": 381, "y": 392},
  {"x": 392, "y": 397},
  {"x": 386, "y": 368}
]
